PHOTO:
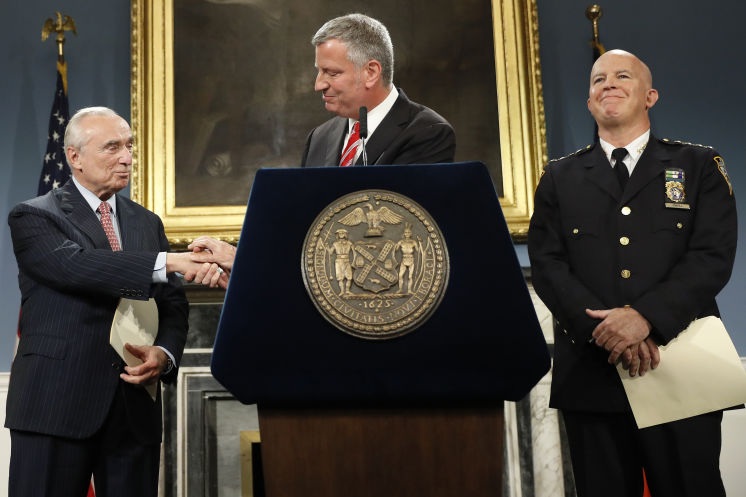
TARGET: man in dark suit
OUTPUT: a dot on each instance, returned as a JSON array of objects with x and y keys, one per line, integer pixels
[
  {"x": 631, "y": 239},
  {"x": 355, "y": 62},
  {"x": 73, "y": 408}
]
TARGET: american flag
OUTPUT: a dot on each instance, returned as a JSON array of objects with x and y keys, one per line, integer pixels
[{"x": 55, "y": 171}]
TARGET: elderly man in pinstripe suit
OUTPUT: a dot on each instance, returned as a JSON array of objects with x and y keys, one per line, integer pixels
[{"x": 73, "y": 408}]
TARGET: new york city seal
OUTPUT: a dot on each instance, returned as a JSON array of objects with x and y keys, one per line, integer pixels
[{"x": 375, "y": 264}]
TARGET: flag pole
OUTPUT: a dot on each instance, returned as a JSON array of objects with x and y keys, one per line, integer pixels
[
  {"x": 594, "y": 13},
  {"x": 62, "y": 24}
]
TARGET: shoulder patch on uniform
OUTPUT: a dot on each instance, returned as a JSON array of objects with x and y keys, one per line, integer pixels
[
  {"x": 679, "y": 142},
  {"x": 720, "y": 163},
  {"x": 577, "y": 152}
]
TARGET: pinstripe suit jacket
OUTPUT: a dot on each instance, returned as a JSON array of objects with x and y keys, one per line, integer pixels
[{"x": 65, "y": 373}]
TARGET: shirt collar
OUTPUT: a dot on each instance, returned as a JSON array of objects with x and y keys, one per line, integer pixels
[
  {"x": 93, "y": 201},
  {"x": 378, "y": 113},
  {"x": 635, "y": 148}
]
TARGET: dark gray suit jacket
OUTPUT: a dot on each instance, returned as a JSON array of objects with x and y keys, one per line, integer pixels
[
  {"x": 65, "y": 373},
  {"x": 409, "y": 134}
]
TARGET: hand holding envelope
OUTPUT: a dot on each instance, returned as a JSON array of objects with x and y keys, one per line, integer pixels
[
  {"x": 700, "y": 371},
  {"x": 135, "y": 323}
]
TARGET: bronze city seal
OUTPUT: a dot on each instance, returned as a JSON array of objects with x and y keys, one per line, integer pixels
[{"x": 375, "y": 264}]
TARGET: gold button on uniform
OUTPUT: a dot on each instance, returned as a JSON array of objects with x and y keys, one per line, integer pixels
[
  {"x": 626, "y": 211},
  {"x": 624, "y": 240},
  {"x": 626, "y": 273},
  {"x": 575, "y": 231},
  {"x": 679, "y": 225}
]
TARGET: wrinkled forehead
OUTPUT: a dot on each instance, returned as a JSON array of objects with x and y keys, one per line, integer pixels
[
  {"x": 613, "y": 63},
  {"x": 619, "y": 61},
  {"x": 106, "y": 128}
]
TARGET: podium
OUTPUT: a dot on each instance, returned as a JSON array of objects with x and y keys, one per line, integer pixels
[{"x": 417, "y": 414}]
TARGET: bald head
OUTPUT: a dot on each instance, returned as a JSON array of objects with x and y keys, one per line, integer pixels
[
  {"x": 641, "y": 67},
  {"x": 620, "y": 95}
]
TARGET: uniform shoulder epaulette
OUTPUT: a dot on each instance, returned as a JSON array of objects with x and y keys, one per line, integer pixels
[
  {"x": 679, "y": 142},
  {"x": 577, "y": 152}
]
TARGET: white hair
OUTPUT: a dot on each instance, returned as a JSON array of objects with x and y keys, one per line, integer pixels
[{"x": 75, "y": 133}]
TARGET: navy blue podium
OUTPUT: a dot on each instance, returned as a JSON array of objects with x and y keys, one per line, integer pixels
[{"x": 420, "y": 414}]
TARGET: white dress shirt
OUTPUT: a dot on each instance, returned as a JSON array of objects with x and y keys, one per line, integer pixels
[
  {"x": 634, "y": 150},
  {"x": 375, "y": 117}
]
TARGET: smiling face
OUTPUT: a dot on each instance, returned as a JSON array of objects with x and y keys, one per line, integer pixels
[
  {"x": 621, "y": 92},
  {"x": 341, "y": 84},
  {"x": 104, "y": 164}
]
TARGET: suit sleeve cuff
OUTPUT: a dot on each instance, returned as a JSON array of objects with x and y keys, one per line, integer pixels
[
  {"x": 171, "y": 362},
  {"x": 159, "y": 269}
]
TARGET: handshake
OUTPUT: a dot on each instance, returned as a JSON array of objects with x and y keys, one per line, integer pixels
[{"x": 209, "y": 263}]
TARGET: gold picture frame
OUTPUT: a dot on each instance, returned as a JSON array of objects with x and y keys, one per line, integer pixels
[{"x": 519, "y": 102}]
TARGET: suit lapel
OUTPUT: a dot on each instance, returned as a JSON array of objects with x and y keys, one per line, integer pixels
[
  {"x": 390, "y": 127},
  {"x": 652, "y": 163},
  {"x": 80, "y": 214},
  {"x": 128, "y": 229},
  {"x": 334, "y": 141},
  {"x": 601, "y": 173}
]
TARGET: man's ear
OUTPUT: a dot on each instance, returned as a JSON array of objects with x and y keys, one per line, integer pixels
[
  {"x": 73, "y": 158},
  {"x": 372, "y": 73},
  {"x": 651, "y": 98}
]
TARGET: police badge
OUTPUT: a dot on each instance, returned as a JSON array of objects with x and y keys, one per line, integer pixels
[
  {"x": 675, "y": 189},
  {"x": 375, "y": 264}
]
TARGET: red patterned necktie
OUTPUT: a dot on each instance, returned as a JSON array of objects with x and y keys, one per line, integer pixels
[
  {"x": 104, "y": 210},
  {"x": 353, "y": 143}
]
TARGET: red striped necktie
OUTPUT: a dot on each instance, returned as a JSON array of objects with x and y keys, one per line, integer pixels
[
  {"x": 103, "y": 209},
  {"x": 353, "y": 143}
]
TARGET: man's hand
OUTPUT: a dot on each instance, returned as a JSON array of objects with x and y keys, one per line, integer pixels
[
  {"x": 619, "y": 329},
  {"x": 154, "y": 363},
  {"x": 207, "y": 249},
  {"x": 206, "y": 273},
  {"x": 212, "y": 275},
  {"x": 641, "y": 357}
]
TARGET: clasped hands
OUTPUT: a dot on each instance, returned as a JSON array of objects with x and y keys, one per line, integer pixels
[
  {"x": 625, "y": 334},
  {"x": 209, "y": 263}
]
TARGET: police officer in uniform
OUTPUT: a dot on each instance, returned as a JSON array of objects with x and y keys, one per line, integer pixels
[{"x": 631, "y": 239}]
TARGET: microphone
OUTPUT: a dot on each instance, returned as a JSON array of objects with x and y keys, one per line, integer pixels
[{"x": 363, "y": 129}]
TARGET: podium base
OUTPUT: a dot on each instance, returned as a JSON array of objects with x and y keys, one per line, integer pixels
[{"x": 368, "y": 452}]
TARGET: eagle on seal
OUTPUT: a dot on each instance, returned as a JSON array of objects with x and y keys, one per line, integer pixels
[{"x": 373, "y": 217}]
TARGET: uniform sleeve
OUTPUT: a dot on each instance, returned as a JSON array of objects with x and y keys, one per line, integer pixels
[{"x": 562, "y": 292}]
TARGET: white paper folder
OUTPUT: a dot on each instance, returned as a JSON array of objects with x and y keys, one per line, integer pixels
[
  {"x": 700, "y": 371},
  {"x": 135, "y": 322}
]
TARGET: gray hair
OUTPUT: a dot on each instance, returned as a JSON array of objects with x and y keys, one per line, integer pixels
[
  {"x": 75, "y": 134},
  {"x": 365, "y": 38}
]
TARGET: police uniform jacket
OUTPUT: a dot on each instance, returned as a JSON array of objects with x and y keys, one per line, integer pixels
[{"x": 593, "y": 246}]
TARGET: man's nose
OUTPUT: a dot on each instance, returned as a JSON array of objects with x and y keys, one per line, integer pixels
[
  {"x": 321, "y": 83},
  {"x": 126, "y": 156}
]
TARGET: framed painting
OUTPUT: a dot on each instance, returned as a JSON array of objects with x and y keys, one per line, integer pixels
[{"x": 221, "y": 88}]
